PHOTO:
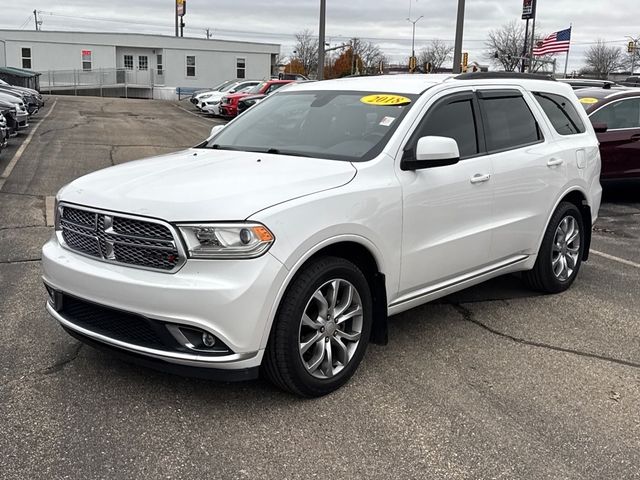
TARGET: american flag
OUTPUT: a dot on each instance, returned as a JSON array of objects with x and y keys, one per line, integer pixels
[{"x": 557, "y": 42}]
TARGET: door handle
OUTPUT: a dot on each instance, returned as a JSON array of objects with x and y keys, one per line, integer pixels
[
  {"x": 635, "y": 138},
  {"x": 480, "y": 178},
  {"x": 554, "y": 162}
]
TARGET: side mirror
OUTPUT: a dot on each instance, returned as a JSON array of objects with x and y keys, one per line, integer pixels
[
  {"x": 215, "y": 129},
  {"x": 600, "y": 127},
  {"x": 432, "y": 152}
]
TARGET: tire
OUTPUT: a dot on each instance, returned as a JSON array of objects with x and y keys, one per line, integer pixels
[
  {"x": 545, "y": 276},
  {"x": 296, "y": 345}
]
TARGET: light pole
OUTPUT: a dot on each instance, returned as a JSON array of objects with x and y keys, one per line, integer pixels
[
  {"x": 412, "y": 63},
  {"x": 457, "y": 51},
  {"x": 321, "y": 40},
  {"x": 634, "y": 51}
]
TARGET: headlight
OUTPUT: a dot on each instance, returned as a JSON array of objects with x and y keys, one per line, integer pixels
[
  {"x": 202, "y": 97},
  {"x": 226, "y": 240}
]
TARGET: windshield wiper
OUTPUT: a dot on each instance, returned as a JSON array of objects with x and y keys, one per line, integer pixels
[{"x": 277, "y": 151}]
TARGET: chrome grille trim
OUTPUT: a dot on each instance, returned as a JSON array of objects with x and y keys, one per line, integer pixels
[{"x": 92, "y": 233}]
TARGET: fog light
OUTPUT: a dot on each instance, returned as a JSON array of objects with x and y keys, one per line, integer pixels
[{"x": 208, "y": 340}]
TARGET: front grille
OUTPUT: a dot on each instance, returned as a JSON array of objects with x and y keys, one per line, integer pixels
[
  {"x": 117, "y": 239},
  {"x": 115, "y": 324}
]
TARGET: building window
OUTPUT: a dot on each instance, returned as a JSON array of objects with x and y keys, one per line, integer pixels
[
  {"x": 26, "y": 58},
  {"x": 159, "y": 63},
  {"x": 143, "y": 62},
  {"x": 241, "y": 67},
  {"x": 128, "y": 62},
  {"x": 191, "y": 66},
  {"x": 86, "y": 60}
]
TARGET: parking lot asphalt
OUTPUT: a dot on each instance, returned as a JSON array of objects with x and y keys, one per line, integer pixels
[{"x": 492, "y": 382}]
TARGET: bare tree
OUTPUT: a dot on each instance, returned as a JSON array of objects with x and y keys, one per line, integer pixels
[
  {"x": 506, "y": 47},
  {"x": 369, "y": 55},
  {"x": 601, "y": 59},
  {"x": 437, "y": 53},
  {"x": 505, "y": 44},
  {"x": 306, "y": 51}
]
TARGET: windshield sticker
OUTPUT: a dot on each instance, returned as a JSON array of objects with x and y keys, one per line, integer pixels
[
  {"x": 588, "y": 100},
  {"x": 387, "y": 121},
  {"x": 385, "y": 100}
]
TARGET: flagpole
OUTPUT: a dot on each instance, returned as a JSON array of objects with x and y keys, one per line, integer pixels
[
  {"x": 566, "y": 61},
  {"x": 533, "y": 42}
]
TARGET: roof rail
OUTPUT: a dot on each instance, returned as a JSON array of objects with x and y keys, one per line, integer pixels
[{"x": 498, "y": 75}]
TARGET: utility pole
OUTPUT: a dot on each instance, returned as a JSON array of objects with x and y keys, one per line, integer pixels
[
  {"x": 412, "y": 62},
  {"x": 633, "y": 50},
  {"x": 457, "y": 52},
  {"x": 209, "y": 34},
  {"x": 321, "y": 40},
  {"x": 175, "y": 12},
  {"x": 35, "y": 15}
]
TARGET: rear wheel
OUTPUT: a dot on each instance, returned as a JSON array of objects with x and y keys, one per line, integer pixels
[
  {"x": 560, "y": 254},
  {"x": 322, "y": 329}
]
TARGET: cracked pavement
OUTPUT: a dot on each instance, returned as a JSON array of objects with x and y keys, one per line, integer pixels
[{"x": 492, "y": 382}]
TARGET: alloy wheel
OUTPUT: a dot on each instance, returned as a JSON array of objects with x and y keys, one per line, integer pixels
[
  {"x": 330, "y": 328},
  {"x": 566, "y": 248}
]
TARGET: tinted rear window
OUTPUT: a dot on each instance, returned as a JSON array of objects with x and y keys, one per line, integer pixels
[
  {"x": 561, "y": 113},
  {"x": 508, "y": 121}
]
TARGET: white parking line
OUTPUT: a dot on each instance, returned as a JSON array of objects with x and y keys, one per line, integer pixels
[
  {"x": 21, "y": 149},
  {"x": 200, "y": 117},
  {"x": 616, "y": 259}
]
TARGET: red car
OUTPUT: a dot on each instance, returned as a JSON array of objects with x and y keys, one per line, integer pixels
[
  {"x": 229, "y": 103},
  {"x": 615, "y": 115}
]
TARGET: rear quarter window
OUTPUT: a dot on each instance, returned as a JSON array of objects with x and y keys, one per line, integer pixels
[{"x": 561, "y": 113}]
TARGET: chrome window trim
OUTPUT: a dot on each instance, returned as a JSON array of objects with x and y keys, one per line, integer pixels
[{"x": 176, "y": 241}]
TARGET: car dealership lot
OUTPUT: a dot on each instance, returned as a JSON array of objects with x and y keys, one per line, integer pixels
[{"x": 493, "y": 382}]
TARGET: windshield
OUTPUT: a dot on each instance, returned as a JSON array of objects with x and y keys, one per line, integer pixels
[
  {"x": 220, "y": 87},
  {"x": 336, "y": 125},
  {"x": 257, "y": 88}
]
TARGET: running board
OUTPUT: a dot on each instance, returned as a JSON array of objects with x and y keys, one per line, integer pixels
[{"x": 442, "y": 289}]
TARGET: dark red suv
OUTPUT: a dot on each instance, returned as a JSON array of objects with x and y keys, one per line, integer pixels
[
  {"x": 615, "y": 114},
  {"x": 229, "y": 103}
]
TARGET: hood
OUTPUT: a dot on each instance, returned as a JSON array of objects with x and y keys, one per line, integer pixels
[
  {"x": 206, "y": 185},
  {"x": 213, "y": 95}
]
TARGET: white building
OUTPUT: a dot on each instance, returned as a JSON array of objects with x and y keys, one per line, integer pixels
[{"x": 84, "y": 60}]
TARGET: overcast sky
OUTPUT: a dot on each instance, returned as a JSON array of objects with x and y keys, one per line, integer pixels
[{"x": 381, "y": 21}]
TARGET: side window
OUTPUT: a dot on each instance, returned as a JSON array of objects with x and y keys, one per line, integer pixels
[
  {"x": 508, "y": 122},
  {"x": 241, "y": 66},
  {"x": 128, "y": 62},
  {"x": 159, "y": 63},
  {"x": 26, "y": 58},
  {"x": 453, "y": 118},
  {"x": 274, "y": 87},
  {"x": 191, "y": 66},
  {"x": 619, "y": 115},
  {"x": 561, "y": 113}
]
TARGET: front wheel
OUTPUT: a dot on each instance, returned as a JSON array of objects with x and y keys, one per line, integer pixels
[
  {"x": 322, "y": 329},
  {"x": 561, "y": 252}
]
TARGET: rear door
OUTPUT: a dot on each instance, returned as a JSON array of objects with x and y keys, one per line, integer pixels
[
  {"x": 620, "y": 144},
  {"x": 528, "y": 172}
]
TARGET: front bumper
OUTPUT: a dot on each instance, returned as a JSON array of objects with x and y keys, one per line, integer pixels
[
  {"x": 23, "y": 120},
  {"x": 230, "y": 299}
]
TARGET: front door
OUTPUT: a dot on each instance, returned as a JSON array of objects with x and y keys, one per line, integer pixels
[
  {"x": 446, "y": 210},
  {"x": 620, "y": 144}
]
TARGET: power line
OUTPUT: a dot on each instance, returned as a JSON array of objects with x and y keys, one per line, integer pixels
[{"x": 24, "y": 24}]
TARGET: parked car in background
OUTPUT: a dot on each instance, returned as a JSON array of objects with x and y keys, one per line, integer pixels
[
  {"x": 283, "y": 242},
  {"x": 38, "y": 99},
  {"x": 229, "y": 103},
  {"x": 578, "y": 83},
  {"x": 4, "y": 133},
  {"x": 210, "y": 98},
  {"x": 632, "y": 81},
  {"x": 22, "y": 115},
  {"x": 212, "y": 106},
  {"x": 248, "y": 102},
  {"x": 217, "y": 88},
  {"x": 615, "y": 115},
  {"x": 9, "y": 112}
]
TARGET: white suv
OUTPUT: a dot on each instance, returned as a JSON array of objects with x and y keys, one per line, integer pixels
[{"x": 287, "y": 239}]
